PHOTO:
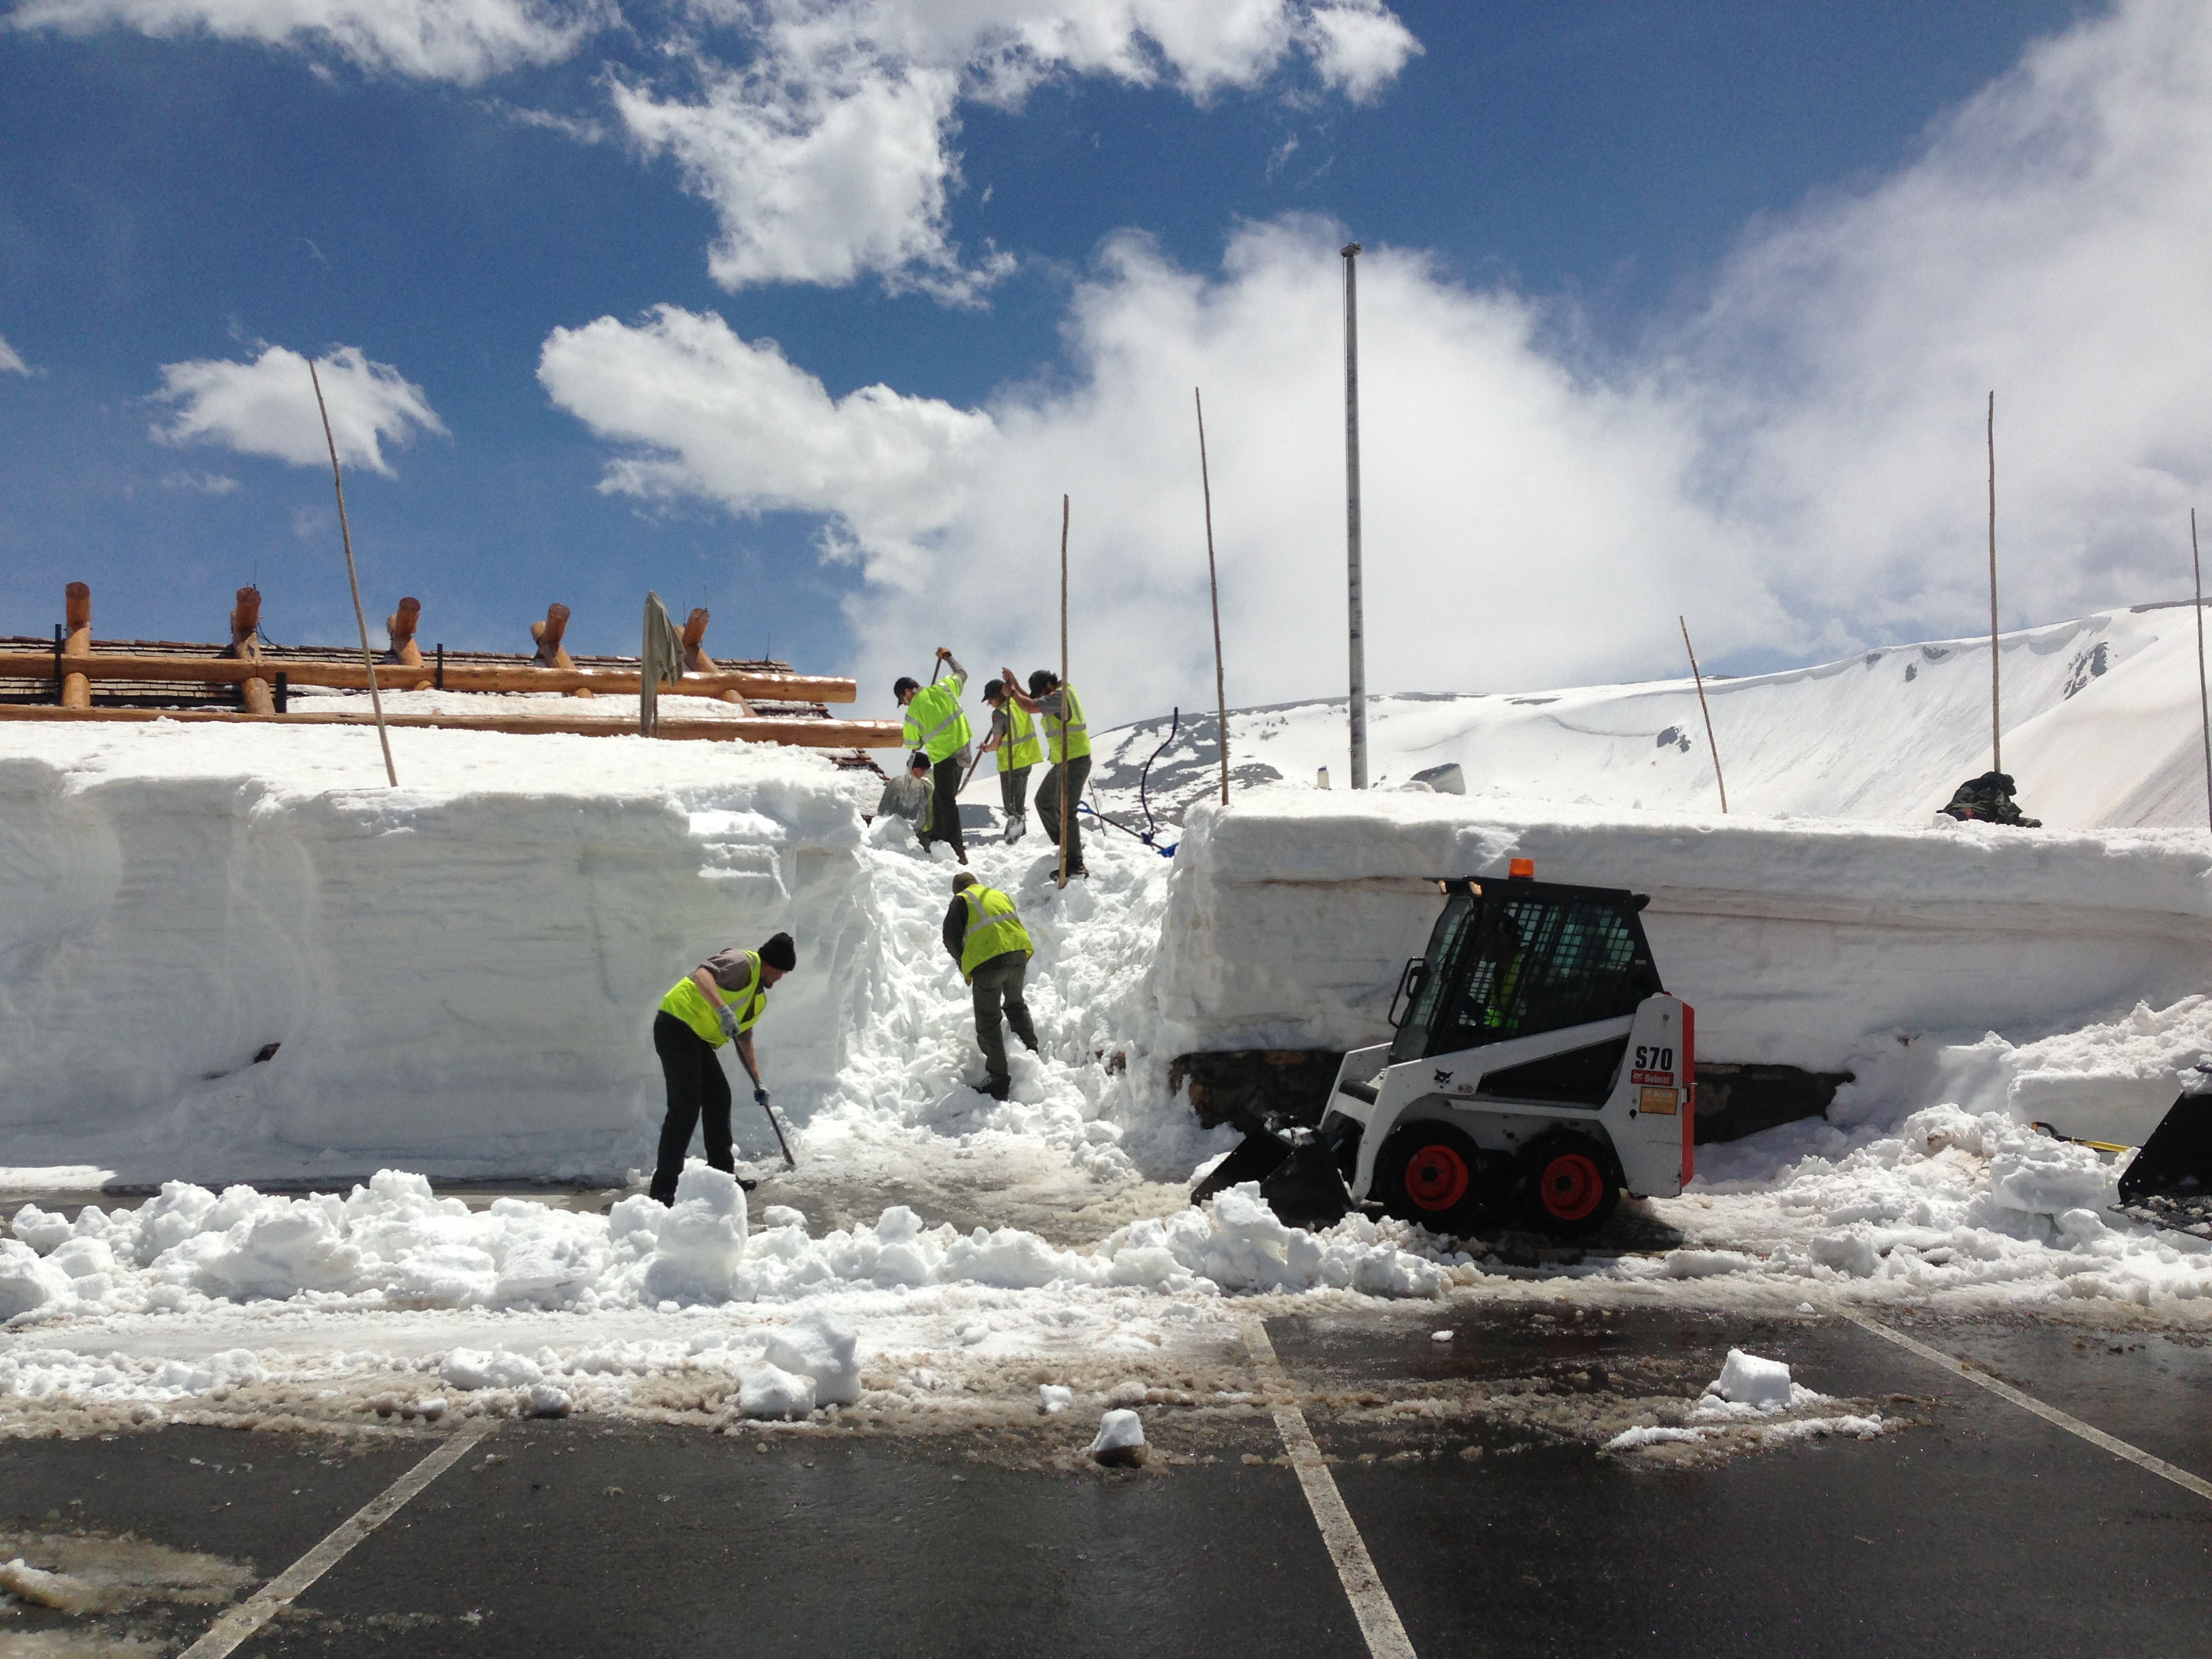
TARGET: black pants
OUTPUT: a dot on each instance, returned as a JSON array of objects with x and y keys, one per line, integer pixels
[
  {"x": 1079, "y": 773},
  {"x": 698, "y": 1092},
  {"x": 1014, "y": 791},
  {"x": 945, "y": 806}
]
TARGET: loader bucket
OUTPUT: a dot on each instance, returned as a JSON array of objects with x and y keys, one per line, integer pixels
[
  {"x": 2176, "y": 1162},
  {"x": 1256, "y": 1158},
  {"x": 1306, "y": 1189}
]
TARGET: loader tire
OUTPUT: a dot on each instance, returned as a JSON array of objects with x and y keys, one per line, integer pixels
[
  {"x": 1431, "y": 1174},
  {"x": 1569, "y": 1186}
]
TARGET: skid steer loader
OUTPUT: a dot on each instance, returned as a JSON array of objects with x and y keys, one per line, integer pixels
[{"x": 1538, "y": 1068}]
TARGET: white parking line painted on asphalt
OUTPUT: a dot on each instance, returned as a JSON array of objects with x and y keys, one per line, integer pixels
[
  {"x": 1362, "y": 1585},
  {"x": 265, "y": 1604},
  {"x": 2028, "y": 1402}
]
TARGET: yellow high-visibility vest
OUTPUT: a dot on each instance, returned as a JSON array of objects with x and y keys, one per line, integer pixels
[
  {"x": 1078, "y": 734},
  {"x": 993, "y": 929},
  {"x": 689, "y": 1003},
  {"x": 1021, "y": 746},
  {"x": 934, "y": 723}
]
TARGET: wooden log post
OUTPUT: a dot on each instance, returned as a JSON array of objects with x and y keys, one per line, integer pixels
[
  {"x": 551, "y": 653},
  {"x": 697, "y": 661},
  {"x": 77, "y": 610},
  {"x": 254, "y": 692},
  {"x": 400, "y": 624}
]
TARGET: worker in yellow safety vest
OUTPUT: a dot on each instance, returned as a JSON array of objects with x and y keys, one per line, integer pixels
[
  {"x": 989, "y": 941},
  {"x": 717, "y": 1003},
  {"x": 1067, "y": 747},
  {"x": 936, "y": 726},
  {"x": 1015, "y": 741}
]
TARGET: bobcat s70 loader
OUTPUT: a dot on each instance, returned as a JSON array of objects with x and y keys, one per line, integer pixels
[{"x": 1539, "y": 1069}]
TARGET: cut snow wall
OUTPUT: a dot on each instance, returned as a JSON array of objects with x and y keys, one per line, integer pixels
[
  {"x": 462, "y": 973},
  {"x": 1291, "y": 913}
]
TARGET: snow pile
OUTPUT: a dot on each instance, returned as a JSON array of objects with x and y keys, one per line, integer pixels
[
  {"x": 1751, "y": 1390},
  {"x": 768, "y": 1390},
  {"x": 393, "y": 1244},
  {"x": 1291, "y": 912}
]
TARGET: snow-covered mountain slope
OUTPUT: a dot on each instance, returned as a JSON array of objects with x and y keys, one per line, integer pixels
[{"x": 2101, "y": 727}]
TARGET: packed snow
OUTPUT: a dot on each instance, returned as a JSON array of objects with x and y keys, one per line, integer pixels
[{"x": 459, "y": 974}]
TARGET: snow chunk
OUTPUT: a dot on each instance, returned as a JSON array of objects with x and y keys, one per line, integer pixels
[
  {"x": 1053, "y": 1398},
  {"x": 1748, "y": 1380},
  {"x": 770, "y": 1391},
  {"x": 820, "y": 1348},
  {"x": 26, "y": 1283},
  {"x": 40, "y": 1228},
  {"x": 469, "y": 1370},
  {"x": 1119, "y": 1441},
  {"x": 547, "y": 1400},
  {"x": 700, "y": 1240},
  {"x": 1653, "y": 1434}
]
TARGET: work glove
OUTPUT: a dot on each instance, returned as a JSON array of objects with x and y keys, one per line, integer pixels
[
  {"x": 760, "y": 1098},
  {"x": 729, "y": 1017}
]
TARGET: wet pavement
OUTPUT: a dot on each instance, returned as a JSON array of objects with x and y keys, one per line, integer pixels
[{"x": 1470, "y": 1466}]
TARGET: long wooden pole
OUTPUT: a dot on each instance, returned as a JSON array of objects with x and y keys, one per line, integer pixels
[
  {"x": 2203, "y": 699},
  {"x": 1213, "y": 587},
  {"x": 1997, "y": 730},
  {"x": 1698, "y": 674},
  {"x": 513, "y": 674},
  {"x": 359, "y": 617},
  {"x": 1067, "y": 806}
]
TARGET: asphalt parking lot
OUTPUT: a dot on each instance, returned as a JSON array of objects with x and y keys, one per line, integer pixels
[{"x": 1470, "y": 1467}]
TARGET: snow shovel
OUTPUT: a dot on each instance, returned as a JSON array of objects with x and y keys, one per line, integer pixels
[
  {"x": 2170, "y": 1180},
  {"x": 790, "y": 1162}
]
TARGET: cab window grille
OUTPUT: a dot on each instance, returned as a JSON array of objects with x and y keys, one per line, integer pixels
[{"x": 1540, "y": 964}]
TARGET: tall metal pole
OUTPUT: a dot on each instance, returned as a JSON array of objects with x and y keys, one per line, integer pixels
[
  {"x": 1213, "y": 587},
  {"x": 2203, "y": 698},
  {"x": 346, "y": 533},
  {"x": 1997, "y": 730},
  {"x": 1067, "y": 806},
  {"x": 1351, "y": 513}
]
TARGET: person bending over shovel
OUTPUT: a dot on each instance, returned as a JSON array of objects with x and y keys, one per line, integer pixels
[
  {"x": 718, "y": 1002},
  {"x": 989, "y": 941}
]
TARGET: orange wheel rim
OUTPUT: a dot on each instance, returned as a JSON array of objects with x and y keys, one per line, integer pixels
[
  {"x": 1436, "y": 1178},
  {"x": 1571, "y": 1186}
]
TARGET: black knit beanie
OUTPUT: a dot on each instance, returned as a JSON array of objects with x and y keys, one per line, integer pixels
[{"x": 780, "y": 953}]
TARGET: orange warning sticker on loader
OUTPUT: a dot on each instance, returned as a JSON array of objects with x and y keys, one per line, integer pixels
[{"x": 1660, "y": 1103}]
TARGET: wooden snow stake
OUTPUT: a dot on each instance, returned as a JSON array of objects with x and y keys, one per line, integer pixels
[
  {"x": 76, "y": 610},
  {"x": 401, "y": 625}
]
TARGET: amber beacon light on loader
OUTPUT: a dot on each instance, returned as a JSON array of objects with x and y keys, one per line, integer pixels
[{"x": 1540, "y": 1068}]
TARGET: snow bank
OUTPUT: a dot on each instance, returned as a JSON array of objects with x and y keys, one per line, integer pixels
[
  {"x": 461, "y": 972},
  {"x": 1291, "y": 913}
]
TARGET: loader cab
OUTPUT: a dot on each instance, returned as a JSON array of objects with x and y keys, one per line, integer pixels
[{"x": 1519, "y": 957}]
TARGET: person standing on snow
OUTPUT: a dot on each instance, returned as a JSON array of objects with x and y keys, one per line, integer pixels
[
  {"x": 1066, "y": 737},
  {"x": 1014, "y": 739},
  {"x": 989, "y": 941},
  {"x": 718, "y": 1002},
  {"x": 936, "y": 725}
]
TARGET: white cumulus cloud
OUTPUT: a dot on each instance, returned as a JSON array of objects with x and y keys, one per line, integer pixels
[
  {"x": 267, "y": 407},
  {"x": 1798, "y": 468},
  {"x": 702, "y": 412},
  {"x": 463, "y": 41},
  {"x": 829, "y": 155}
]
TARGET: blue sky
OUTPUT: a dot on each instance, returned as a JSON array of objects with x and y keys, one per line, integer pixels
[{"x": 1639, "y": 232}]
